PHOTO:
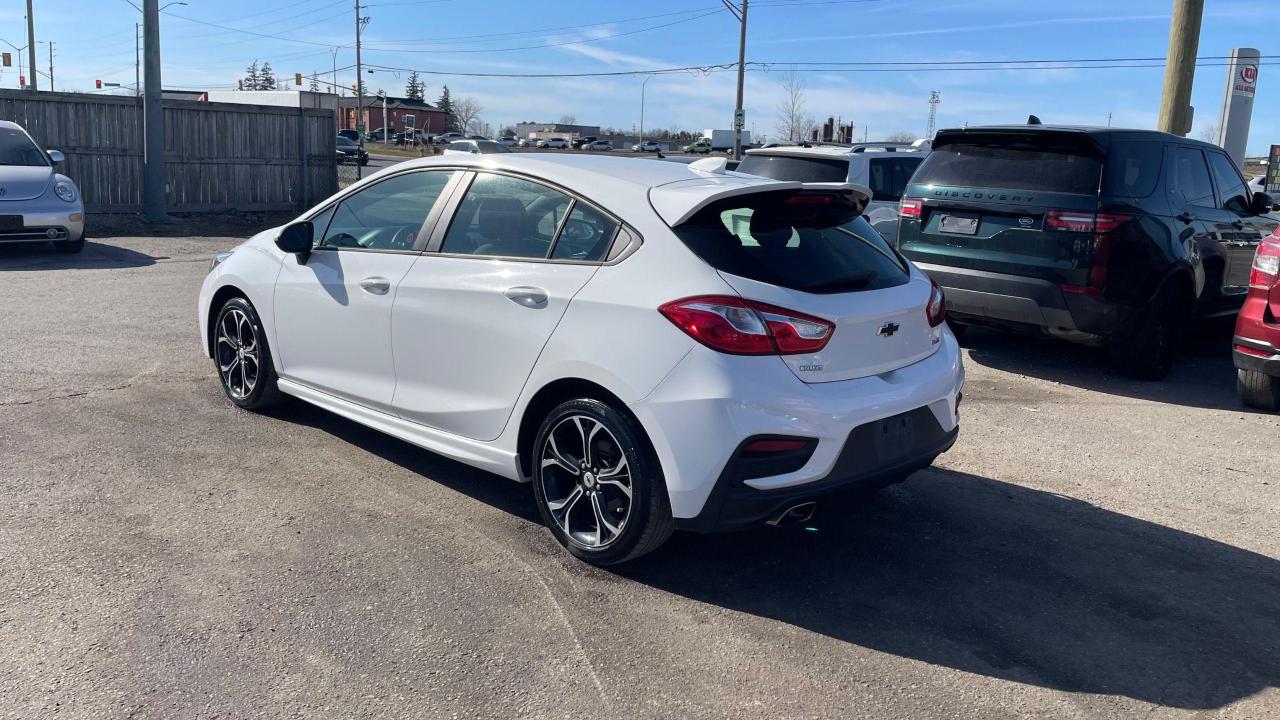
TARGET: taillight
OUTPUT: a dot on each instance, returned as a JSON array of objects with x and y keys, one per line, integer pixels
[
  {"x": 1101, "y": 225},
  {"x": 936, "y": 310},
  {"x": 746, "y": 327},
  {"x": 909, "y": 207},
  {"x": 1266, "y": 264}
]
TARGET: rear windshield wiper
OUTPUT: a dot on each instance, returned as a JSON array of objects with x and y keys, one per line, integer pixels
[{"x": 851, "y": 282}]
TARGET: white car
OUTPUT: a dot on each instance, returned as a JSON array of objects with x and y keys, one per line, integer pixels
[
  {"x": 884, "y": 167},
  {"x": 37, "y": 203},
  {"x": 553, "y": 143},
  {"x": 652, "y": 345},
  {"x": 646, "y": 146}
]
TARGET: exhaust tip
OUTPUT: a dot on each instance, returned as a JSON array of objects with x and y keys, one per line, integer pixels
[{"x": 799, "y": 513}]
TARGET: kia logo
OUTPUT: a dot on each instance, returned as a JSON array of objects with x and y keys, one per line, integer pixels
[
  {"x": 1249, "y": 73},
  {"x": 887, "y": 329}
]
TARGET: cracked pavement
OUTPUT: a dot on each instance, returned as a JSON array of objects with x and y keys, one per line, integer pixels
[{"x": 1092, "y": 547}]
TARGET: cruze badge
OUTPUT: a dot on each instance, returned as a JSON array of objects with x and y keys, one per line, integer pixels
[{"x": 887, "y": 329}]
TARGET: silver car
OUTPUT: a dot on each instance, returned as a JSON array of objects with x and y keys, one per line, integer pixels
[{"x": 36, "y": 203}]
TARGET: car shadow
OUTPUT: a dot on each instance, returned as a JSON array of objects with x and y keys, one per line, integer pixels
[
  {"x": 1203, "y": 375},
  {"x": 1004, "y": 581},
  {"x": 964, "y": 572},
  {"x": 95, "y": 256}
]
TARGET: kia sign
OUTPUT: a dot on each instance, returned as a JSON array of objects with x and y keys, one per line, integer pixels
[{"x": 1237, "y": 102}]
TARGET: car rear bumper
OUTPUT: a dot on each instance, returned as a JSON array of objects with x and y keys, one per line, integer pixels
[
  {"x": 700, "y": 415},
  {"x": 1267, "y": 365},
  {"x": 982, "y": 296}
]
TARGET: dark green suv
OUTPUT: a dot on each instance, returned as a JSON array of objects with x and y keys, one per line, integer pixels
[{"x": 1098, "y": 235}]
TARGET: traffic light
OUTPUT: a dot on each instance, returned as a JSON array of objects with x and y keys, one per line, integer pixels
[
  {"x": 7, "y": 60},
  {"x": 297, "y": 79},
  {"x": 99, "y": 82}
]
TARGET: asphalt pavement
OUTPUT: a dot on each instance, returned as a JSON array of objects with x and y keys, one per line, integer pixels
[{"x": 1092, "y": 547}]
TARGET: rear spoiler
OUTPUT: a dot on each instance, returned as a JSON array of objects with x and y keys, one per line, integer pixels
[
  {"x": 1024, "y": 134},
  {"x": 677, "y": 202}
]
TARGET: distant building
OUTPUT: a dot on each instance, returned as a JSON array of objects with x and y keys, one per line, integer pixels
[
  {"x": 275, "y": 98},
  {"x": 426, "y": 117},
  {"x": 543, "y": 131}
]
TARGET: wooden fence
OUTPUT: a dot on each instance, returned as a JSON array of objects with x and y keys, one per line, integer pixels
[{"x": 218, "y": 156}]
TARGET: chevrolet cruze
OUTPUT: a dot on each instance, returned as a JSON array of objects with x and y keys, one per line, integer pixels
[
  {"x": 654, "y": 346},
  {"x": 36, "y": 202}
]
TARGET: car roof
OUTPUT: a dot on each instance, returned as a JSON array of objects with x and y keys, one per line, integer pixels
[
  {"x": 10, "y": 125},
  {"x": 616, "y": 182},
  {"x": 835, "y": 152},
  {"x": 1096, "y": 133}
]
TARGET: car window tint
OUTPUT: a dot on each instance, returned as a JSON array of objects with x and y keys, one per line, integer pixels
[
  {"x": 1045, "y": 166},
  {"x": 807, "y": 247},
  {"x": 17, "y": 149},
  {"x": 1191, "y": 178},
  {"x": 889, "y": 177},
  {"x": 586, "y": 235},
  {"x": 387, "y": 215},
  {"x": 1231, "y": 187},
  {"x": 507, "y": 217},
  {"x": 320, "y": 223},
  {"x": 802, "y": 169},
  {"x": 1133, "y": 168}
]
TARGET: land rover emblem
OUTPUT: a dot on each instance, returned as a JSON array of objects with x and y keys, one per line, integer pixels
[{"x": 1026, "y": 221}]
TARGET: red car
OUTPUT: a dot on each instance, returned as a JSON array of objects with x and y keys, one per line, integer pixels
[{"x": 1257, "y": 338}]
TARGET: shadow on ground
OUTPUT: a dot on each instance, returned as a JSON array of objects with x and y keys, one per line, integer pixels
[
  {"x": 1203, "y": 377},
  {"x": 95, "y": 256},
  {"x": 969, "y": 573}
]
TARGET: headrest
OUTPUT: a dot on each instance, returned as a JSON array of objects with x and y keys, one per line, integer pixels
[
  {"x": 503, "y": 218},
  {"x": 770, "y": 235}
]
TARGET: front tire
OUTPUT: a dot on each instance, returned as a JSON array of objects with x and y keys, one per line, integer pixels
[
  {"x": 598, "y": 487},
  {"x": 1258, "y": 390},
  {"x": 243, "y": 358}
]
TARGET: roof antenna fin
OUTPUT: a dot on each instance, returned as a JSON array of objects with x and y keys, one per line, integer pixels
[{"x": 1033, "y": 120}]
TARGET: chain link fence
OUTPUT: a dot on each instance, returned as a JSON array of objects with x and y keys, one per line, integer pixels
[{"x": 349, "y": 172}]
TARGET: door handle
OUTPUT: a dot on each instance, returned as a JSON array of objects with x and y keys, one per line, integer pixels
[
  {"x": 1186, "y": 217},
  {"x": 1237, "y": 224},
  {"x": 530, "y": 297},
  {"x": 375, "y": 285}
]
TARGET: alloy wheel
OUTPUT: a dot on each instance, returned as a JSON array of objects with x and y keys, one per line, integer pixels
[
  {"x": 239, "y": 353},
  {"x": 586, "y": 481}
]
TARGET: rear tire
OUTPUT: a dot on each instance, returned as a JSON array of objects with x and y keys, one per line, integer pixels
[
  {"x": 1258, "y": 390},
  {"x": 1148, "y": 351},
  {"x": 598, "y": 486},
  {"x": 243, "y": 358},
  {"x": 69, "y": 247}
]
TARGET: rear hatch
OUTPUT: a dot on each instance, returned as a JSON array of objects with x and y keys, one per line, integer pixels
[
  {"x": 1006, "y": 201},
  {"x": 809, "y": 251}
]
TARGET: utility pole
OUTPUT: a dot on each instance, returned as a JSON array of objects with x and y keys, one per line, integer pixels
[
  {"x": 50, "y": 66},
  {"x": 739, "y": 117},
  {"x": 333, "y": 53},
  {"x": 359, "y": 89},
  {"x": 1180, "y": 68},
  {"x": 31, "y": 46},
  {"x": 153, "y": 176},
  {"x": 137, "y": 60},
  {"x": 646, "y": 82}
]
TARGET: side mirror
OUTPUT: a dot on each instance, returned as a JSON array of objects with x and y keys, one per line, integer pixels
[
  {"x": 56, "y": 156},
  {"x": 1261, "y": 204},
  {"x": 296, "y": 239}
]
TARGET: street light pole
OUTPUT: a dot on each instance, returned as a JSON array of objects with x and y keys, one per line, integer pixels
[
  {"x": 646, "y": 82},
  {"x": 359, "y": 92},
  {"x": 31, "y": 46},
  {"x": 153, "y": 174},
  {"x": 738, "y": 115},
  {"x": 137, "y": 59}
]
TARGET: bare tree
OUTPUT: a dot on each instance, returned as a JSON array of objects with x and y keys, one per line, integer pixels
[
  {"x": 902, "y": 136},
  {"x": 568, "y": 119},
  {"x": 1210, "y": 133},
  {"x": 794, "y": 122},
  {"x": 467, "y": 110}
]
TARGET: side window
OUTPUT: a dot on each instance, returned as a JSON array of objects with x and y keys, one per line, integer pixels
[
  {"x": 319, "y": 223},
  {"x": 1231, "y": 187},
  {"x": 1191, "y": 177},
  {"x": 388, "y": 215},
  {"x": 880, "y": 177},
  {"x": 586, "y": 235},
  {"x": 1133, "y": 168},
  {"x": 505, "y": 216}
]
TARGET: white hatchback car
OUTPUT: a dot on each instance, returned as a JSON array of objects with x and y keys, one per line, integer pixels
[
  {"x": 653, "y": 345},
  {"x": 36, "y": 202}
]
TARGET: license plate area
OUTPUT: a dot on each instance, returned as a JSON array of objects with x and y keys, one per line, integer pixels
[
  {"x": 894, "y": 437},
  {"x": 10, "y": 222},
  {"x": 958, "y": 224}
]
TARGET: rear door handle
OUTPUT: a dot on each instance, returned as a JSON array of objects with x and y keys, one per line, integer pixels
[
  {"x": 375, "y": 285},
  {"x": 531, "y": 297}
]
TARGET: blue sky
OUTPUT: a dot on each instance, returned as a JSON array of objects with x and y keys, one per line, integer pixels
[{"x": 94, "y": 40}]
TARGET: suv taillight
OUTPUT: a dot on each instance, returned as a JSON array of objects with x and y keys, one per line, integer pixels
[
  {"x": 909, "y": 207},
  {"x": 1266, "y": 264},
  {"x": 746, "y": 327},
  {"x": 1101, "y": 225},
  {"x": 936, "y": 310}
]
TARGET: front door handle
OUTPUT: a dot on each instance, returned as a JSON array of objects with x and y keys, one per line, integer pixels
[
  {"x": 531, "y": 297},
  {"x": 1186, "y": 217},
  {"x": 375, "y": 285}
]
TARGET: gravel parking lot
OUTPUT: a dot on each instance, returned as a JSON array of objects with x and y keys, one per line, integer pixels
[{"x": 1092, "y": 547}]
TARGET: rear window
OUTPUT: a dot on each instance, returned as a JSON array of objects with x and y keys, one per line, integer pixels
[
  {"x": 1133, "y": 167},
  {"x": 780, "y": 167},
  {"x": 888, "y": 176},
  {"x": 813, "y": 246},
  {"x": 1039, "y": 166}
]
